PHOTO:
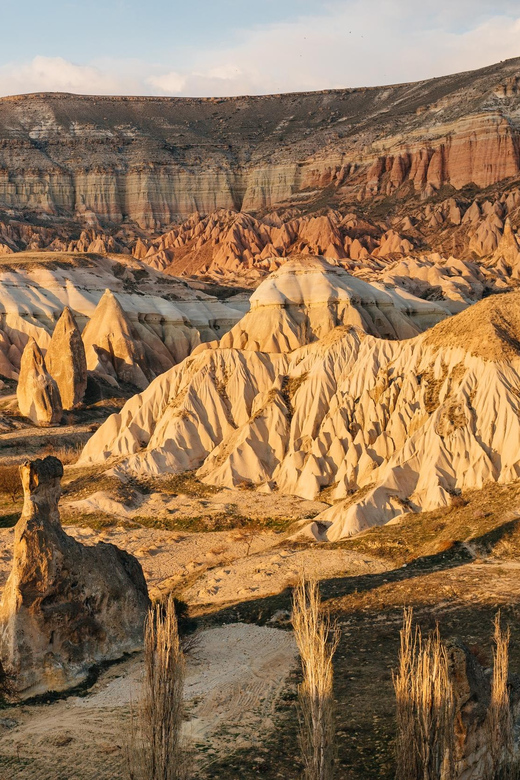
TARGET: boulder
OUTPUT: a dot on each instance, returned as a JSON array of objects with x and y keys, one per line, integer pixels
[
  {"x": 37, "y": 392},
  {"x": 66, "y": 361},
  {"x": 65, "y": 606}
]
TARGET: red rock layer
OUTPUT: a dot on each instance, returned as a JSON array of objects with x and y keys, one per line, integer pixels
[{"x": 154, "y": 161}]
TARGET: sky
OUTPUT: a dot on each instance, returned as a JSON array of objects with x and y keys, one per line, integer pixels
[{"x": 232, "y": 47}]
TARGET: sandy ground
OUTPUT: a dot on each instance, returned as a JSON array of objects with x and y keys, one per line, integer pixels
[
  {"x": 236, "y": 672},
  {"x": 161, "y": 506},
  {"x": 270, "y": 572},
  {"x": 234, "y": 678},
  {"x": 216, "y": 567}
]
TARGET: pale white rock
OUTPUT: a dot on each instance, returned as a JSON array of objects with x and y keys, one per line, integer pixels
[
  {"x": 307, "y": 297},
  {"x": 170, "y": 317},
  {"x": 412, "y": 421}
]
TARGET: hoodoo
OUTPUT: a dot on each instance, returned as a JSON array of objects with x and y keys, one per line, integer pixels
[
  {"x": 65, "y": 606},
  {"x": 113, "y": 350},
  {"x": 37, "y": 392},
  {"x": 66, "y": 362}
]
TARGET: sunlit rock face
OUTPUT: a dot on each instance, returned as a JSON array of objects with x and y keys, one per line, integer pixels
[
  {"x": 165, "y": 317},
  {"x": 66, "y": 361},
  {"x": 327, "y": 385},
  {"x": 65, "y": 606},
  {"x": 155, "y": 160},
  {"x": 37, "y": 392},
  {"x": 308, "y": 297}
]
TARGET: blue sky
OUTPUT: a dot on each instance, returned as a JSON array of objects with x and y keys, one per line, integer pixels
[{"x": 224, "y": 47}]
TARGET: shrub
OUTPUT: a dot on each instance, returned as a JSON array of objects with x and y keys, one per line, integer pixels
[
  {"x": 10, "y": 482},
  {"x": 317, "y": 641},
  {"x": 425, "y": 707}
]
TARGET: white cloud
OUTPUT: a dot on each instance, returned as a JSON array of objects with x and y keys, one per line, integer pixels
[
  {"x": 351, "y": 43},
  {"x": 58, "y": 75},
  {"x": 171, "y": 83}
]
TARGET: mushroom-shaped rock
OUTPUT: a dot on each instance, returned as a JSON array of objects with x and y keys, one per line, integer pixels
[
  {"x": 111, "y": 348},
  {"x": 65, "y": 606},
  {"x": 66, "y": 361},
  {"x": 37, "y": 392}
]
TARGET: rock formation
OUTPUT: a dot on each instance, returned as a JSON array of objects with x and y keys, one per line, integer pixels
[
  {"x": 113, "y": 351},
  {"x": 37, "y": 392},
  {"x": 65, "y": 606},
  {"x": 169, "y": 317},
  {"x": 307, "y": 298},
  {"x": 264, "y": 151},
  {"x": 413, "y": 421},
  {"x": 66, "y": 361}
]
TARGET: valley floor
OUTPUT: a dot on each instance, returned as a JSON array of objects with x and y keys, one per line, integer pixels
[{"x": 232, "y": 556}]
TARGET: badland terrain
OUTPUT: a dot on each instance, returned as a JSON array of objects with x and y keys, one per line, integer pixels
[{"x": 242, "y": 339}]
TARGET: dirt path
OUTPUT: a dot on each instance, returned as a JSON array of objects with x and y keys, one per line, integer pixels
[{"x": 233, "y": 681}]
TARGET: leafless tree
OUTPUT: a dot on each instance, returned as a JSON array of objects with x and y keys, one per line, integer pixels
[
  {"x": 317, "y": 641},
  {"x": 157, "y": 750}
]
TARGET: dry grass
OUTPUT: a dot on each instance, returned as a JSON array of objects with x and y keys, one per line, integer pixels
[
  {"x": 10, "y": 482},
  {"x": 425, "y": 707},
  {"x": 489, "y": 328},
  {"x": 499, "y": 718},
  {"x": 317, "y": 641},
  {"x": 157, "y": 750},
  {"x": 67, "y": 453}
]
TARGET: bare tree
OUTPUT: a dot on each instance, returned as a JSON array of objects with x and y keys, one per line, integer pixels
[
  {"x": 317, "y": 641},
  {"x": 157, "y": 750},
  {"x": 425, "y": 707},
  {"x": 499, "y": 718}
]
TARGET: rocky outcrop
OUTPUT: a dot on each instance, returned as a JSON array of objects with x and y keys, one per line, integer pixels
[
  {"x": 169, "y": 317},
  {"x": 65, "y": 606},
  {"x": 113, "y": 351},
  {"x": 412, "y": 422},
  {"x": 242, "y": 248},
  {"x": 66, "y": 361},
  {"x": 107, "y": 159},
  {"x": 229, "y": 243},
  {"x": 307, "y": 298},
  {"x": 37, "y": 392}
]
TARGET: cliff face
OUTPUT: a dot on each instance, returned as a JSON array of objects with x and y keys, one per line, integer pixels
[{"x": 156, "y": 160}]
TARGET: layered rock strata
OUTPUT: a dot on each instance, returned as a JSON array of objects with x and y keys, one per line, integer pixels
[
  {"x": 65, "y": 606},
  {"x": 118, "y": 158}
]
